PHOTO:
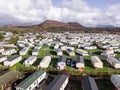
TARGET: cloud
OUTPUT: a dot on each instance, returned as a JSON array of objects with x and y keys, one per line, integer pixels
[{"x": 36, "y": 11}]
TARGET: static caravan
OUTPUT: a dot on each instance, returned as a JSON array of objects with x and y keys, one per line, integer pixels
[
  {"x": 56, "y": 46},
  {"x": 109, "y": 52},
  {"x": 82, "y": 52},
  {"x": 35, "y": 52},
  {"x": 8, "y": 79},
  {"x": 90, "y": 47},
  {"x": 97, "y": 63},
  {"x": 63, "y": 48},
  {"x": 61, "y": 64},
  {"x": 30, "y": 60},
  {"x": 89, "y": 83},
  {"x": 3, "y": 58},
  {"x": 45, "y": 62},
  {"x": 32, "y": 81},
  {"x": 24, "y": 51},
  {"x": 13, "y": 60},
  {"x": 70, "y": 52},
  {"x": 80, "y": 63},
  {"x": 38, "y": 46},
  {"x": 1, "y": 49},
  {"x": 59, "y": 52},
  {"x": 9, "y": 52},
  {"x": 72, "y": 48},
  {"x": 115, "y": 79},
  {"x": 59, "y": 83},
  {"x": 114, "y": 62}
]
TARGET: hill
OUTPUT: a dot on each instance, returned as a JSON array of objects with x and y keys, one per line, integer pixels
[{"x": 55, "y": 26}]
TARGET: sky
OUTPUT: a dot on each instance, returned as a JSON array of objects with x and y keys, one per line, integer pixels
[{"x": 85, "y": 12}]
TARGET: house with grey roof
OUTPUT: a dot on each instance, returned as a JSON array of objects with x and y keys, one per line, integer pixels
[
  {"x": 59, "y": 83},
  {"x": 89, "y": 83},
  {"x": 32, "y": 81}
]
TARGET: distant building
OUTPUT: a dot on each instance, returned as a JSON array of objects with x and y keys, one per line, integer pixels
[{"x": 59, "y": 83}]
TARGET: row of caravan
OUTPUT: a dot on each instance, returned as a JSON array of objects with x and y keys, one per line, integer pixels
[{"x": 62, "y": 61}]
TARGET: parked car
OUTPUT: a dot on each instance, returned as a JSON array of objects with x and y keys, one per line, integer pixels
[{"x": 73, "y": 63}]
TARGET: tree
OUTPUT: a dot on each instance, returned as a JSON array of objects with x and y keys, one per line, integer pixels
[
  {"x": 1, "y": 37},
  {"x": 14, "y": 40}
]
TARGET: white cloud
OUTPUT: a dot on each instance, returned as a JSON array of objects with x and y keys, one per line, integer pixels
[{"x": 36, "y": 11}]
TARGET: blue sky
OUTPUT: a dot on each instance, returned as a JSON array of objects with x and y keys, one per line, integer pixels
[
  {"x": 86, "y": 12},
  {"x": 102, "y": 4}
]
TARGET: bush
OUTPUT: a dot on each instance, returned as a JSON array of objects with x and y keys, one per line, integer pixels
[{"x": 1, "y": 37}]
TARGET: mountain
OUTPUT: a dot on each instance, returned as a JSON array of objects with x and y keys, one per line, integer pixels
[
  {"x": 75, "y": 24},
  {"x": 56, "y": 26},
  {"x": 51, "y": 25},
  {"x": 105, "y": 26}
]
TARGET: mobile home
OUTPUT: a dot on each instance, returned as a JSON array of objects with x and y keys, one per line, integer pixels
[
  {"x": 8, "y": 78},
  {"x": 35, "y": 52},
  {"x": 32, "y": 81},
  {"x": 80, "y": 63},
  {"x": 59, "y": 83},
  {"x": 115, "y": 79},
  {"x": 97, "y": 63},
  {"x": 13, "y": 60},
  {"x": 59, "y": 52},
  {"x": 24, "y": 51},
  {"x": 114, "y": 62},
  {"x": 70, "y": 52},
  {"x": 45, "y": 62},
  {"x": 3, "y": 58},
  {"x": 82, "y": 52},
  {"x": 30, "y": 60},
  {"x": 89, "y": 83},
  {"x": 9, "y": 52},
  {"x": 61, "y": 64}
]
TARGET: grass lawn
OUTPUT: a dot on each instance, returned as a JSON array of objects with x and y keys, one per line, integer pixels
[
  {"x": 117, "y": 55},
  {"x": 96, "y": 52}
]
